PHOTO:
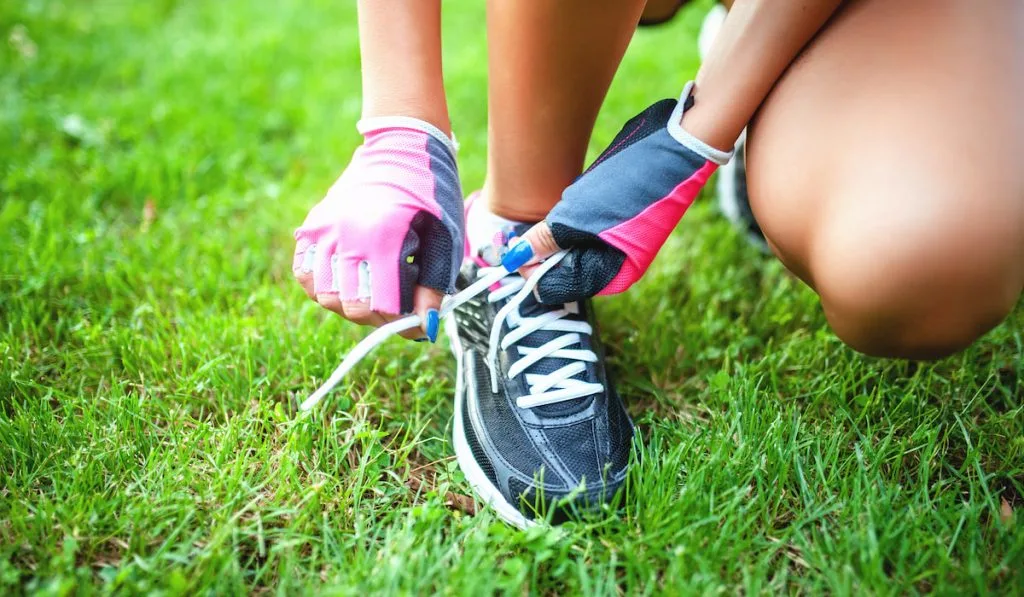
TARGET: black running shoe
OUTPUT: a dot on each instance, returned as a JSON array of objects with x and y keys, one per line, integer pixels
[{"x": 539, "y": 431}]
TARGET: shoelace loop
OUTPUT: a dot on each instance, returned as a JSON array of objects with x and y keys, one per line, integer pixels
[
  {"x": 549, "y": 388},
  {"x": 545, "y": 388}
]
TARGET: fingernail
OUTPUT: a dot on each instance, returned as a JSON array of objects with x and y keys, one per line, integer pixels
[
  {"x": 433, "y": 323},
  {"x": 517, "y": 256}
]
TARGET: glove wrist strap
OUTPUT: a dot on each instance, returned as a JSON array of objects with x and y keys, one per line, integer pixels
[
  {"x": 376, "y": 123},
  {"x": 675, "y": 128}
]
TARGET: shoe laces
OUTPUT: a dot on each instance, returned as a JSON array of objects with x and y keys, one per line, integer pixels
[
  {"x": 545, "y": 388},
  {"x": 548, "y": 388}
]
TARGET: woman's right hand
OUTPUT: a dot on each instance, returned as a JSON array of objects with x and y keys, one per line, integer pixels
[{"x": 388, "y": 237}]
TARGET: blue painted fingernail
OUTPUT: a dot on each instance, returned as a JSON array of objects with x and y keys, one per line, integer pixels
[
  {"x": 433, "y": 323},
  {"x": 517, "y": 256}
]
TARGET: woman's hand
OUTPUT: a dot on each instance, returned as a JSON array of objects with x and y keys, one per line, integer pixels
[
  {"x": 388, "y": 237},
  {"x": 618, "y": 214}
]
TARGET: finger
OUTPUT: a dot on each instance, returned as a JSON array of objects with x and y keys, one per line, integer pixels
[
  {"x": 358, "y": 311},
  {"x": 534, "y": 246},
  {"x": 385, "y": 282},
  {"x": 304, "y": 250},
  {"x": 305, "y": 279},
  {"x": 302, "y": 266},
  {"x": 427, "y": 304},
  {"x": 331, "y": 302},
  {"x": 409, "y": 266},
  {"x": 425, "y": 300},
  {"x": 322, "y": 268},
  {"x": 350, "y": 275},
  {"x": 437, "y": 257}
]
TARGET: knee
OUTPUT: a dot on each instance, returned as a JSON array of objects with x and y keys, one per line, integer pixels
[{"x": 915, "y": 293}]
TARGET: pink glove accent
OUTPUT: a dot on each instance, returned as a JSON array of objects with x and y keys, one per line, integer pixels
[{"x": 641, "y": 237}]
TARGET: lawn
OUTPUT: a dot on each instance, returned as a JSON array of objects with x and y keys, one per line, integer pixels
[{"x": 155, "y": 158}]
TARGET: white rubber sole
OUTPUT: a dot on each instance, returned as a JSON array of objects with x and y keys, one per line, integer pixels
[{"x": 484, "y": 490}]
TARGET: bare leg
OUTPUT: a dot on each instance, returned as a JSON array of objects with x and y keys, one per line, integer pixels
[
  {"x": 551, "y": 64},
  {"x": 884, "y": 169}
]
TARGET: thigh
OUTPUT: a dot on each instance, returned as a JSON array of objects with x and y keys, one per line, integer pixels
[{"x": 897, "y": 138}]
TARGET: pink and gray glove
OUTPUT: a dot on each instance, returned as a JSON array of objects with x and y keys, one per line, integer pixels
[
  {"x": 391, "y": 223},
  {"x": 615, "y": 218}
]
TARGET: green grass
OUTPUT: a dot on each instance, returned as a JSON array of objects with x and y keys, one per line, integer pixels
[{"x": 151, "y": 357}]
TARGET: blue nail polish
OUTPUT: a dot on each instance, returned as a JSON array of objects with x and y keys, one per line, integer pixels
[
  {"x": 517, "y": 256},
  {"x": 433, "y": 323}
]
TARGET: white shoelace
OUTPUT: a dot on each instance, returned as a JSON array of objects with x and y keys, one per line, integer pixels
[{"x": 549, "y": 388}]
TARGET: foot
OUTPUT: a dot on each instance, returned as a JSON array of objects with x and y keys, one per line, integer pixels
[{"x": 539, "y": 431}]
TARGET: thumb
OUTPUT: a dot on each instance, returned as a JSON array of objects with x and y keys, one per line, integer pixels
[
  {"x": 536, "y": 245},
  {"x": 426, "y": 303}
]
